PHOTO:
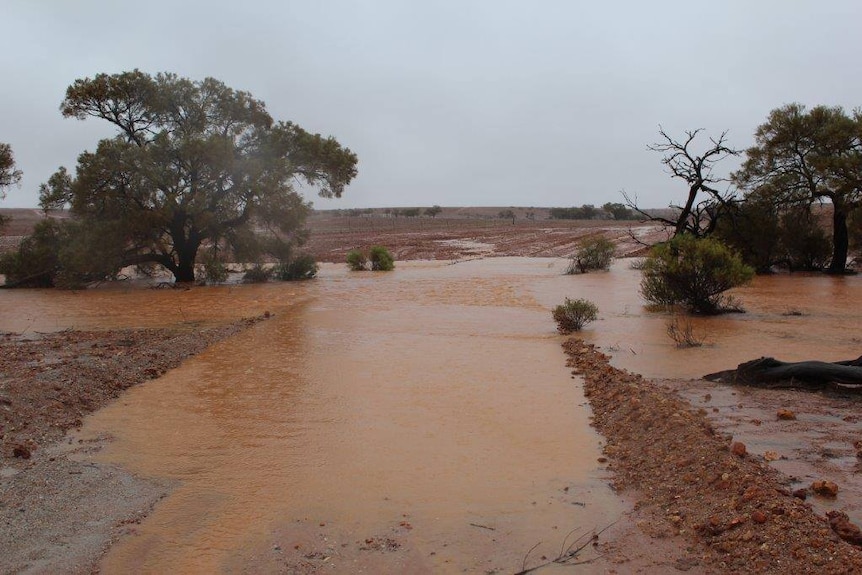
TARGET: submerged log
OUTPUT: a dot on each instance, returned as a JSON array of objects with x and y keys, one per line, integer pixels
[{"x": 769, "y": 372}]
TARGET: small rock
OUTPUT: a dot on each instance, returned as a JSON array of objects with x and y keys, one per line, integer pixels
[
  {"x": 786, "y": 415},
  {"x": 801, "y": 493},
  {"x": 825, "y": 488},
  {"x": 21, "y": 451},
  {"x": 758, "y": 516},
  {"x": 738, "y": 448},
  {"x": 840, "y": 524},
  {"x": 770, "y": 456}
]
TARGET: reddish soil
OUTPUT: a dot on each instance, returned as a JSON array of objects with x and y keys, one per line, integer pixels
[
  {"x": 463, "y": 237},
  {"x": 691, "y": 481}
]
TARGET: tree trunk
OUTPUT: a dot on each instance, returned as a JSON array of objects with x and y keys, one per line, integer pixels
[
  {"x": 769, "y": 372},
  {"x": 185, "y": 270},
  {"x": 840, "y": 240}
]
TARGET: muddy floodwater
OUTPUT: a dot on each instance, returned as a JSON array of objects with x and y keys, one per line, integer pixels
[{"x": 421, "y": 420}]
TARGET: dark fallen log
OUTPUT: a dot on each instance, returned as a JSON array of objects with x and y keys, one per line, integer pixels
[{"x": 769, "y": 372}]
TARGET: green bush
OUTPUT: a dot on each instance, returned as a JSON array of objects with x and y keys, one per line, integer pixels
[
  {"x": 572, "y": 315},
  {"x": 378, "y": 259},
  {"x": 215, "y": 272},
  {"x": 806, "y": 244},
  {"x": 356, "y": 260},
  {"x": 381, "y": 260},
  {"x": 36, "y": 262},
  {"x": 694, "y": 273},
  {"x": 257, "y": 274},
  {"x": 302, "y": 267},
  {"x": 593, "y": 253}
]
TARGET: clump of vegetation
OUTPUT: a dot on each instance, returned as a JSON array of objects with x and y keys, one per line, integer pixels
[
  {"x": 693, "y": 272},
  {"x": 682, "y": 333},
  {"x": 302, "y": 267},
  {"x": 257, "y": 273},
  {"x": 377, "y": 259},
  {"x": 593, "y": 253},
  {"x": 381, "y": 260},
  {"x": 52, "y": 256},
  {"x": 356, "y": 260},
  {"x": 573, "y": 315},
  {"x": 215, "y": 271}
]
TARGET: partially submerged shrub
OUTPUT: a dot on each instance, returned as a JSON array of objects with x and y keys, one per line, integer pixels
[
  {"x": 378, "y": 259},
  {"x": 381, "y": 260},
  {"x": 572, "y": 315},
  {"x": 356, "y": 260},
  {"x": 693, "y": 272},
  {"x": 302, "y": 267},
  {"x": 682, "y": 333},
  {"x": 257, "y": 274},
  {"x": 593, "y": 253},
  {"x": 215, "y": 271},
  {"x": 53, "y": 256}
]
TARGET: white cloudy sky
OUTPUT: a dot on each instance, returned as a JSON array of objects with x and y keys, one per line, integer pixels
[{"x": 453, "y": 102}]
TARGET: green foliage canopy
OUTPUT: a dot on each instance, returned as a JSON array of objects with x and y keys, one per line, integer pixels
[
  {"x": 9, "y": 175},
  {"x": 806, "y": 156},
  {"x": 193, "y": 162}
]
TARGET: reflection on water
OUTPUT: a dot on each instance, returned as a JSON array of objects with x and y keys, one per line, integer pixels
[{"x": 436, "y": 393}]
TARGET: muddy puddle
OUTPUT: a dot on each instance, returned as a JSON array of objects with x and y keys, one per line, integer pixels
[{"x": 419, "y": 421}]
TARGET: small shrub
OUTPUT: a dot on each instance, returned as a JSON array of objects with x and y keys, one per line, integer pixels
[
  {"x": 378, "y": 259},
  {"x": 682, "y": 333},
  {"x": 593, "y": 253},
  {"x": 572, "y": 315},
  {"x": 301, "y": 268},
  {"x": 215, "y": 272},
  {"x": 257, "y": 274},
  {"x": 356, "y": 260},
  {"x": 381, "y": 260},
  {"x": 693, "y": 272}
]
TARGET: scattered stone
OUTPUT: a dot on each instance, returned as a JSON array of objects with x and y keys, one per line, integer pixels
[
  {"x": 738, "y": 448},
  {"x": 770, "y": 456},
  {"x": 801, "y": 493},
  {"x": 786, "y": 415},
  {"x": 21, "y": 452},
  {"x": 841, "y": 525},
  {"x": 825, "y": 488},
  {"x": 758, "y": 516}
]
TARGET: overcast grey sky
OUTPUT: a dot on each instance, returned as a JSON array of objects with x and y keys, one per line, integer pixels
[{"x": 457, "y": 103}]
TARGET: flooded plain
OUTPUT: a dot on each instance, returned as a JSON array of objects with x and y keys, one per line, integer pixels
[{"x": 415, "y": 421}]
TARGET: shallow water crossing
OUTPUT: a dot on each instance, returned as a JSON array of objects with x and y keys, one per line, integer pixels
[{"x": 418, "y": 421}]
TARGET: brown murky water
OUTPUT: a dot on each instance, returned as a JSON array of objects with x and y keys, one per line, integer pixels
[{"x": 384, "y": 422}]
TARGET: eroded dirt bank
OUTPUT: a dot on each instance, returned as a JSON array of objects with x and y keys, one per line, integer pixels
[{"x": 732, "y": 512}]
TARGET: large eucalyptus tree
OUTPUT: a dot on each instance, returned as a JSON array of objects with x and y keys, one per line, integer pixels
[{"x": 192, "y": 163}]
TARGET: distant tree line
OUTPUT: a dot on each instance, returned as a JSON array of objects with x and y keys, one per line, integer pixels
[{"x": 609, "y": 211}]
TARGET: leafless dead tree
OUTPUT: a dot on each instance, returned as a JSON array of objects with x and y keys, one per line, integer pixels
[{"x": 697, "y": 217}]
